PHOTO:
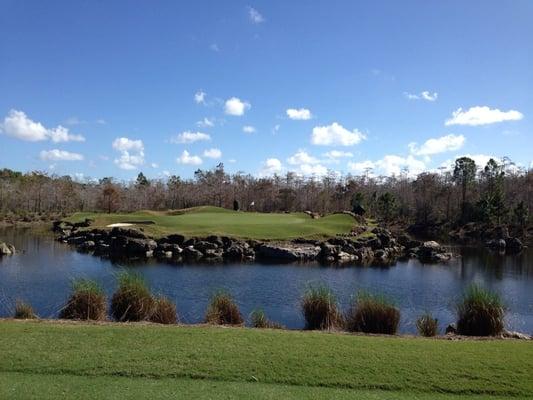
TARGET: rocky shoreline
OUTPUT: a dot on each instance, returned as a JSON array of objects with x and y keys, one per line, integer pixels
[{"x": 379, "y": 247}]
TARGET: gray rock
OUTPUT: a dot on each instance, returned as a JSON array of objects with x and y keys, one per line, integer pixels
[
  {"x": 451, "y": 329},
  {"x": 513, "y": 245},
  {"x": 190, "y": 253},
  {"x": 6, "y": 249},
  {"x": 287, "y": 252},
  {"x": 515, "y": 335}
]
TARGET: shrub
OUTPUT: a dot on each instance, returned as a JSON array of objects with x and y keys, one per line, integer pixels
[
  {"x": 132, "y": 301},
  {"x": 480, "y": 312},
  {"x": 222, "y": 310},
  {"x": 87, "y": 301},
  {"x": 23, "y": 311},
  {"x": 372, "y": 314},
  {"x": 260, "y": 320},
  {"x": 164, "y": 311},
  {"x": 427, "y": 325},
  {"x": 320, "y": 310}
]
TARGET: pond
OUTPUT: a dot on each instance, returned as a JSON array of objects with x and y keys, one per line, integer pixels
[{"x": 42, "y": 271}]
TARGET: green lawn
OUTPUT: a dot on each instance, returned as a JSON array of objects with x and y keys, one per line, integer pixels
[
  {"x": 49, "y": 360},
  {"x": 204, "y": 221}
]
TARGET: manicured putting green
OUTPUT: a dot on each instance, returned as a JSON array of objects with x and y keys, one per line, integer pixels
[{"x": 203, "y": 221}]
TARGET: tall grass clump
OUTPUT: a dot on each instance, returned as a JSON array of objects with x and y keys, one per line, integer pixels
[
  {"x": 87, "y": 302},
  {"x": 132, "y": 301},
  {"x": 260, "y": 320},
  {"x": 427, "y": 325},
  {"x": 320, "y": 310},
  {"x": 370, "y": 313},
  {"x": 480, "y": 312},
  {"x": 23, "y": 311},
  {"x": 164, "y": 311},
  {"x": 222, "y": 310}
]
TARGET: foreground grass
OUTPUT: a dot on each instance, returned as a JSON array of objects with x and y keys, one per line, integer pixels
[
  {"x": 46, "y": 359},
  {"x": 205, "y": 221}
]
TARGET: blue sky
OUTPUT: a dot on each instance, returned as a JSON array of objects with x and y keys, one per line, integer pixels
[{"x": 94, "y": 88}]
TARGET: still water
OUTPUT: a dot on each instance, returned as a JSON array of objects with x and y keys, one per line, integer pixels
[{"x": 42, "y": 271}]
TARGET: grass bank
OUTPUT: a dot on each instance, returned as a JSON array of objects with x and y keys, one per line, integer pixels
[
  {"x": 205, "y": 221},
  {"x": 50, "y": 360}
]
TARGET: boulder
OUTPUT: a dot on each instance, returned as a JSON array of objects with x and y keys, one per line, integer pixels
[
  {"x": 190, "y": 253},
  {"x": 128, "y": 232},
  {"x": 515, "y": 335},
  {"x": 87, "y": 245},
  {"x": 203, "y": 246},
  {"x": 173, "y": 239},
  {"x": 287, "y": 252},
  {"x": 513, "y": 245},
  {"x": 6, "y": 249},
  {"x": 497, "y": 244},
  {"x": 432, "y": 252},
  {"x": 451, "y": 329}
]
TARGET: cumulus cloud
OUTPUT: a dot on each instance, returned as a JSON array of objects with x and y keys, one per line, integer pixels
[
  {"x": 213, "y": 153},
  {"x": 438, "y": 145},
  {"x": 313, "y": 169},
  {"x": 17, "y": 124},
  {"x": 131, "y": 153},
  {"x": 335, "y": 154},
  {"x": 188, "y": 159},
  {"x": 235, "y": 106},
  {"x": 60, "y": 155},
  {"x": 484, "y": 115},
  {"x": 302, "y": 157},
  {"x": 255, "y": 16},
  {"x": 389, "y": 165},
  {"x": 199, "y": 97},
  {"x": 206, "y": 123},
  {"x": 335, "y": 135},
  {"x": 299, "y": 114},
  {"x": 248, "y": 129},
  {"x": 190, "y": 137},
  {"x": 271, "y": 166},
  {"x": 425, "y": 95}
]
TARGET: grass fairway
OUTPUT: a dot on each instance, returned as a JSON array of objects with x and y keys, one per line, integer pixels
[
  {"x": 49, "y": 360},
  {"x": 204, "y": 221}
]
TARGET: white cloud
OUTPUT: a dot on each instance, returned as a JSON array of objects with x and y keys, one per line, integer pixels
[
  {"x": 276, "y": 129},
  {"x": 316, "y": 169},
  {"x": 206, "y": 123},
  {"x": 335, "y": 134},
  {"x": 425, "y": 95},
  {"x": 154, "y": 165},
  {"x": 390, "y": 165},
  {"x": 199, "y": 97},
  {"x": 214, "y": 47},
  {"x": 60, "y": 155},
  {"x": 255, "y": 16},
  {"x": 190, "y": 137},
  {"x": 232, "y": 160},
  {"x": 299, "y": 114},
  {"x": 187, "y": 159},
  {"x": 213, "y": 153},
  {"x": 271, "y": 166},
  {"x": 438, "y": 145},
  {"x": 17, "y": 124},
  {"x": 235, "y": 106},
  {"x": 248, "y": 129},
  {"x": 131, "y": 153},
  {"x": 334, "y": 154},
  {"x": 302, "y": 157},
  {"x": 484, "y": 115}
]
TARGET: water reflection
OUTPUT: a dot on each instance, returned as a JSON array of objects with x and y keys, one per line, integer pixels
[{"x": 42, "y": 272}]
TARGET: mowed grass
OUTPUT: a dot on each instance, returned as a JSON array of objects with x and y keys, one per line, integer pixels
[
  {"x": 79, "y": 360},
  {"x": 204, "y": 221}
]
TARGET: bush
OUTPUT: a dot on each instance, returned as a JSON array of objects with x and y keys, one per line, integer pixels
[
  {"x": 480, "y": 312},
  {"x": 87, "y": 301},
  {"x": 427, "y": 325},
  {"x": 23, "y": 311},
  {"x": 222, "y": 310},
  {"x": 164, "y": 311},
  {"x": 260, "y": 320},
  {"x": 372, "y": 314},
  {"x": 132, "y": 301},
  {"x": 320, "y": 310}
]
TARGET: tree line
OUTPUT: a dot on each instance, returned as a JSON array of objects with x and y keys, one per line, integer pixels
[{"x": 495, "y": 193}]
